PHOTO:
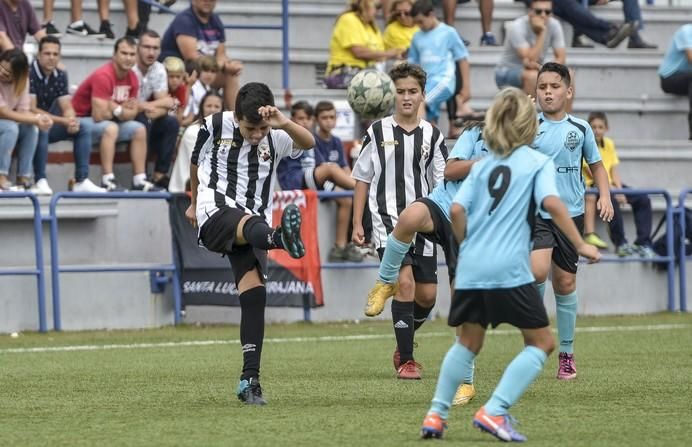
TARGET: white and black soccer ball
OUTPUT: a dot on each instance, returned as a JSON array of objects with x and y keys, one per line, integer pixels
[{"x": 371, "y": 94}]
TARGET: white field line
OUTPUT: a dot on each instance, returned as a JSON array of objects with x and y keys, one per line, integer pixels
[{"x": 329, "y": 338}]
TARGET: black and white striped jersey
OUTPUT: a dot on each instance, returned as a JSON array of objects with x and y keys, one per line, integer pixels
[
  {"x": 400, "y": 167},
  {"x": 233, "y": 172}
]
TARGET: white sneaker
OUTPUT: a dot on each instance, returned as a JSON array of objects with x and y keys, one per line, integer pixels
[
  {"x": 41, "y": 188},
  {"x": 87, "y": 185}
]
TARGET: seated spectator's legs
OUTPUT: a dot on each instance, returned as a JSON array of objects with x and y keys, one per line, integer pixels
[
  {"x": 104, "y": 133},
  {"x": 590, "y": 213},
  {"x": 632, "y": 12},
  {"x": 680, "y": 84},
  {"x": 26, "y": 148},
  {"x": 136, "y": 133},
  {"x": 344, "y": 205},
  {"x": 583, "y": 21},
  {"x": 617, "y": 226},
  {"x": 41, "y": 154},
  {"x": 513, "y": 76},
  {"x": 82, "y": 150},
  {"x": 334, "y": 173},
  {"x": 9, "y": 131},
  {"x": 641, "y": 208},
  {"x": 162, "y": 138}
]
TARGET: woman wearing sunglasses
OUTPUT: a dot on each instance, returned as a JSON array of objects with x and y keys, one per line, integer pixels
[{"x": 400, "y": 27}]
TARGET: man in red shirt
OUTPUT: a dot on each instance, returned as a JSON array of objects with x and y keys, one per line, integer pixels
[{"x": 109, "y": 98}]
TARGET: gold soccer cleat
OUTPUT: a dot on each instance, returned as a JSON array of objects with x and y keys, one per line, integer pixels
[{"x": 378, "y": 296}]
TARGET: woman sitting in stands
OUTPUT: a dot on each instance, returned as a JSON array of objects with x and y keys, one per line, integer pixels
[
  {"x": 211, "y": 103},
  {"x": 18, "y": 126},
  {"x": 356, "y": 44},
  {"x": 400, "y": 27}
]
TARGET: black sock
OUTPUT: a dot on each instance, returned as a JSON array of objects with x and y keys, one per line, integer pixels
[
  {"x": 420, "y": 314},
  {"x": 260, "y": 235},
  {"x": 252, "y": 304},
  {"x": 402, "y": 317}
]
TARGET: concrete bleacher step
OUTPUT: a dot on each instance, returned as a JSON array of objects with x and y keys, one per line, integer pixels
[
  {"x": 22, "y": 209},
  {"x": 311, "y": 22}
]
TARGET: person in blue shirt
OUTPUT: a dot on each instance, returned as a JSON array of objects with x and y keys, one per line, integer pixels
[
  {"x": 492, "y": 217},
  {"x": 676, "y": 68},
  {"x": 429, "y": 216},
  {"x": 438, "y": 48},
  {"x": 566, "y": 140}
]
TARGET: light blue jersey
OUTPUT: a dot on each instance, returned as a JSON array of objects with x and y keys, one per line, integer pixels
[
  {"x": 567, "y": 141},
  {"x": 469, "y": 146},
  {"x": 675, "y": 59},
  {"x": 500, "y": 197},
  {"x": 437, "y": 51}
]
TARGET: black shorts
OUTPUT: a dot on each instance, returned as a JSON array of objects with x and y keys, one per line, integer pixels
[
  {"x": 547, "y": 235},
  {"x": 522, "y": 307},
  {"x": 442, "y": 234},
  {"x": 424, "y": 267},
  {"x": 218, "y": 235}
]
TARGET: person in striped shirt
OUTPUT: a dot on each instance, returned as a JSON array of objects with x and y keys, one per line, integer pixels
[
  {"x": 402, "y": 159},
  {"x": 232, "y": 174}
]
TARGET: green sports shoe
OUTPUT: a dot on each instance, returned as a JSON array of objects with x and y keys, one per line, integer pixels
[
  {"x": 290, "y": 232},
  {"x": 593, "y": 239}
]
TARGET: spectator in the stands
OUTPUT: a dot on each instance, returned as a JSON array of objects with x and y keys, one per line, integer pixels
[
  {"x": 529, "y": 41},
  {"x": 155, "y": 105},
  {"x": 134, "y": 29},
  {"x": 50, "y": 97},
  {"x": 584, "y": 22},
  {"x": 198, "y": 31},
  {"x": 400, "y": 27},
  {"x": 17, "y": 19},
  {"x": 180, "y": 176},
  {"x": 633, "y": 14},
  {"x": 177, "y": 88},
  {"x": 438, "y": 48},
  {"x": 676, "y": 68},
  {"x": 77, "y": 26},
  {"x": 356, "y": 43},
  {"x": 205, "y": 72},
  {"x": 108, "y": 99},
  {"x": 144, "y": 12},
  {"x": 18, "y": 126}
]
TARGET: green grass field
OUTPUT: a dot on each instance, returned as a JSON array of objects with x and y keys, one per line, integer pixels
[{"x": 333, "y": 385}]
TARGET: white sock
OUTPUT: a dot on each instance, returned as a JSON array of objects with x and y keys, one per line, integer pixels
[
  {"x": 139, "y": 179},
  {"x": 76, "y": 24},
  {"x": 107, "y": 177}
]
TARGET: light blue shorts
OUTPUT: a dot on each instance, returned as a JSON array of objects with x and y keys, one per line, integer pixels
[
  {"x": 435, "y": 96},
  {"x": 126, "y": 129},
  {"x": 508, "y": 76}
]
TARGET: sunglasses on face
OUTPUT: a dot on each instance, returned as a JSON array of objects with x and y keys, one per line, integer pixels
[
  {"x": 539, "y": 11},
  {"x": 402, "y": 14}
]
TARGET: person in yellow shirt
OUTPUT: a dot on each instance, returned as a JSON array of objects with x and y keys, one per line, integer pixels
[
  {"x": 400, "y": 27},
  {"x": 356, "y": 43},
  {"x": 641, "y": 204}
]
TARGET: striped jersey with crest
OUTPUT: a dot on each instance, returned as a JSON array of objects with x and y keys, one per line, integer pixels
[
  {"x": 400, "y": 167},
  {"x": 233, "y": 172}
]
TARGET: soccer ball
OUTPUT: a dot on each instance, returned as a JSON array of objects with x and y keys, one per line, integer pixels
[{"x": 371, "y": 94}]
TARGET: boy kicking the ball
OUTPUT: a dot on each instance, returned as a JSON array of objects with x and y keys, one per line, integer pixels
[
  {"x": 232, "y": 180},
  {"x": 403, "y": 159}
]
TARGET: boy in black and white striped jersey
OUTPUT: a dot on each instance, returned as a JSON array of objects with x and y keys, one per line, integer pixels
[
  {"x": 402, "y": 159},
  {"x": 232, "y": 174}
]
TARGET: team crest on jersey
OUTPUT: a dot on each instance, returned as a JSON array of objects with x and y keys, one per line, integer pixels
[
  {"x": 425, "y": 151},
  {"x": 572, "y": 140},
  {"x": 225, "y": 145},
  {"x": 389, "y": 143},
  {"x": 264, "y": 152}
]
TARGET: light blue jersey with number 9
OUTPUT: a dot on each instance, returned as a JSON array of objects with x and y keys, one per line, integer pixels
[{"x": 501, "y": 197}]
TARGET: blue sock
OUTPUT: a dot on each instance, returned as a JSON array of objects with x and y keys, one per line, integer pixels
[
  {"x": 541, "y": 288},
  {"x": 390, "y": 265},
  {"x": 566, "y": 310},
  {"x": 455, "y": 367},
  {"x": 519, "y": 374},
  {"x": 468, "y": 378}
]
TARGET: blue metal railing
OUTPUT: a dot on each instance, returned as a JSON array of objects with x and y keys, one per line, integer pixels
[
  {"x": 682, "y": 256},
  {"x": 38, "y": 246},
  {"x": 56, "y": 269},
  {"x": 670, "y": 243},
  {"x": 283, "y": 27}
]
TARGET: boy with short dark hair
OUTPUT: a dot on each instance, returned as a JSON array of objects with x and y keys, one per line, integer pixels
[
  {"x": 232, "y": 173},
  {"x": 402, "y": 159}
]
